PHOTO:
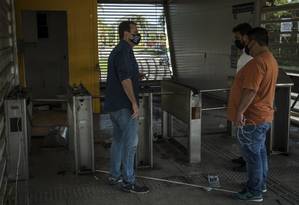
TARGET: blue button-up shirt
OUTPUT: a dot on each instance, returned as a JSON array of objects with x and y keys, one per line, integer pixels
[{"x": 122, "y": 65}]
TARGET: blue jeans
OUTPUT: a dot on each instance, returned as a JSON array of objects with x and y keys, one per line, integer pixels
[
  {"x": 252, "y": 142},
  {"x": 124, "y": 145}
]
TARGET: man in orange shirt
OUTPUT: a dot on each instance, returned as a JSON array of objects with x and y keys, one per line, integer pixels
[{"x": 250, "y": 107}]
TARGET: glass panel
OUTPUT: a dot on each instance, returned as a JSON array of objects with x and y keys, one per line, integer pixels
[{"x": 283, "y": 27}]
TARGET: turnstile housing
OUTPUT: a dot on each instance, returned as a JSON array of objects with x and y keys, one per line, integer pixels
[
  {"x": 80, "y": 120},
  {"x": 144, "y": 155},
  {"x": 17, "y": 110}
]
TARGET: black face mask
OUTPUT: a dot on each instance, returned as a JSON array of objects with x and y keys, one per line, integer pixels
[
  {"x": 136, "y": 38},
  {"x": 247, "y": 50},
  {"x": 239, "y": 44}
]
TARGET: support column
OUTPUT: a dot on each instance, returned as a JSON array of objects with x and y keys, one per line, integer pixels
[{"x": 195, "y": 128}]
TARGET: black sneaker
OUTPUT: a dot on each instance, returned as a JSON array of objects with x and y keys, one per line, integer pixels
[
  {"x": 239, "y": 160},
  {"x": 114, "y": 181},
  {"x": 133, "y": 188},
  {"x": 264, "y": 187},
  {"x": 248, "y": 196}
]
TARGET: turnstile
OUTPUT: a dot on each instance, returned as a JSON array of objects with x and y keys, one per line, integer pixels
[
  {"x": 17, "y": 118},
  {"x": 80, "y": 120},
  {"x": 144, "y": 155}
]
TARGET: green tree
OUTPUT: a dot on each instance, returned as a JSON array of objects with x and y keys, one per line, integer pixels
[{"x": 281, "y": 2}]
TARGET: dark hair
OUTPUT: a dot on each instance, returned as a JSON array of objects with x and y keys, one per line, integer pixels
[
  {"x": 260, "y": 35},
  {"x": 242, "y": 28},
  {"x": 124, "y": 26}
]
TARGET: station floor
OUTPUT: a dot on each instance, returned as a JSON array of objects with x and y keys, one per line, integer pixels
[{"x": 52, "y": 181}]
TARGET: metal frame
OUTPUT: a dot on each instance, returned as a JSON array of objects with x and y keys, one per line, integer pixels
[
  {"x": 3, "y": 158},
  {"x": 14, "y": 44},
  {"x": 3, "y": 191},
  {"x": 170, "y": 38},
  {"x": 144, "y": 154},
  {"x": 194, "y": 129},
  {"x": 17, "y": 140},
  {"x": 279, "y": 139},
  {"x": 8, "y": 53},
  {"x": 81, "y": 138},
  {"x": 179, "y": 105}
]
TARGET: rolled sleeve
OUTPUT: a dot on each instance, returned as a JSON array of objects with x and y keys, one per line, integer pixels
[
  {"x": 253, "y": 76},
  {"x": 123, "y": 65}
]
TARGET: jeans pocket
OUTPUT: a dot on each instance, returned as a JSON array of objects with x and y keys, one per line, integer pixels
[
  {"x": 261, "y": 131},
  {"x": 244, "y": 137},
  {"x": 253, "y": 133}
]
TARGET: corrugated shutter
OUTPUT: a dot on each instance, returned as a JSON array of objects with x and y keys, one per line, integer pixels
[
  {"x": 201, "y": 39},
  {"x": 153, "y": 52},
  {"x": 7, "y": 77}
]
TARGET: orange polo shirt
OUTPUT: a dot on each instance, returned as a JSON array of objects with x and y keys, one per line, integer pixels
[{"x": 260, "y": 75}]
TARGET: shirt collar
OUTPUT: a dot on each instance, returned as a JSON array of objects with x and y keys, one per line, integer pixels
[{"x": 125, "y": 43}]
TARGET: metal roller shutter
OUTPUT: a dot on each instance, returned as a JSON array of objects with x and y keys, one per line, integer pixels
[
  {"x": 201, "y": 40},
  {"x": 8, "y": 77},
  {"x": 153, "y": 52}
]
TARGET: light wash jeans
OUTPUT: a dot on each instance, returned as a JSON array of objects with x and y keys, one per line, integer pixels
[
  {"x": 124, "y": 145},
  {"x": 252, "y": 141}
]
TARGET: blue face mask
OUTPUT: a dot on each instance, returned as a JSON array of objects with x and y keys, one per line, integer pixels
[{"x": 136, "y": 38}]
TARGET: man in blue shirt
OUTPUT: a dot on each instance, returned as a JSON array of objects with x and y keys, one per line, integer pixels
[{"x": 121, "y": 101}]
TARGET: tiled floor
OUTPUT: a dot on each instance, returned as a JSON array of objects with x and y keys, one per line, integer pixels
[{"x": 53, "y": 182}]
